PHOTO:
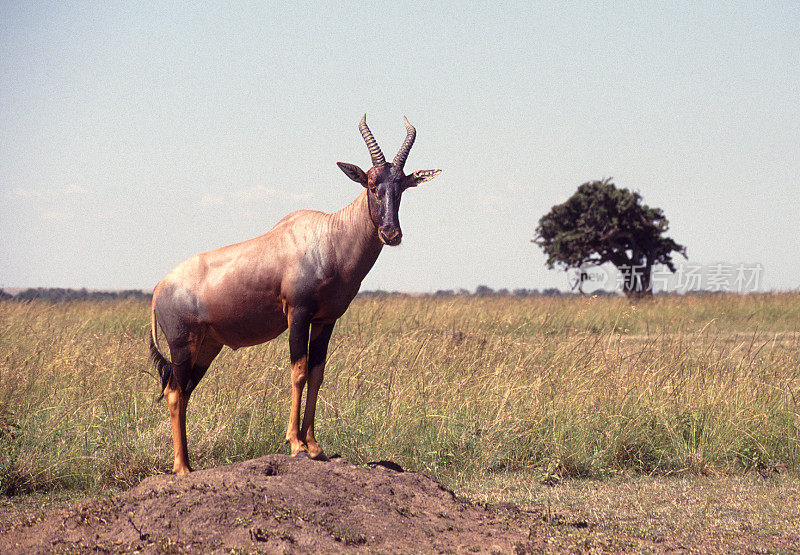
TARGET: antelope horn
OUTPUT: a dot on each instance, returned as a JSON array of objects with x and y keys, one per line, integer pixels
[
  {"x": 372, "y": 144},
  {"x": 402, "y": 154}
]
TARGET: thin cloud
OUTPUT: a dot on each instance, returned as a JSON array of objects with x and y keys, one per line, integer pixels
[
  {"x": 25, "y": 193},
  {"x": 51, "y": 195},
  {"x": 250, "y": 195},
  {"x": 210, "y": 200},
  {"x": 74, "y": 189},
  {"x": 52, "y": 206}
]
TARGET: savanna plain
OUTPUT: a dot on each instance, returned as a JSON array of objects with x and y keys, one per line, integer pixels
[{"x": 670, "y": 422}]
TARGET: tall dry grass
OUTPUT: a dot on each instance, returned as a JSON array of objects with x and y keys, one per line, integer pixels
[{"x": 456, "y": 387}]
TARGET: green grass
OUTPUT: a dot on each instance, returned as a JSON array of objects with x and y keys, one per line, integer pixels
[{"x": 465, "y": 389}]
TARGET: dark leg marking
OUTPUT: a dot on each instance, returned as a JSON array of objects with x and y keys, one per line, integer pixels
[{"x": 318, "y": 350}]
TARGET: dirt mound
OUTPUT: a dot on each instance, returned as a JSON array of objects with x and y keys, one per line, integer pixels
[{"x": 277, "y": 504}]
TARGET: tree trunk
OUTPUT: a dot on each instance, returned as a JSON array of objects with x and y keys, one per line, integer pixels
[{"x": 636, "y": 280}]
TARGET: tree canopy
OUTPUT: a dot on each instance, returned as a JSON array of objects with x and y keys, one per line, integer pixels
[{"x": 601, "y": 223}]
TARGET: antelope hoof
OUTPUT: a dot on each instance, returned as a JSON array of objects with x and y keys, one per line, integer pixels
[
  {"x": 181, "y": 470},
  {"x": 321, "y": 457},
  {"x": 301, "y": 455}
]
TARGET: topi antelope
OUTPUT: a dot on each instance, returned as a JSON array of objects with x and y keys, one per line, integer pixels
[{"x": 301, "y": 275}]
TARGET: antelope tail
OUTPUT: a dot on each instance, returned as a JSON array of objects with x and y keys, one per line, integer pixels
[{"x": 160, "y": 363}]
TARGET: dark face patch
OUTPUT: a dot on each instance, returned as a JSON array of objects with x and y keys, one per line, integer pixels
[{"x": 385, "y": 185}]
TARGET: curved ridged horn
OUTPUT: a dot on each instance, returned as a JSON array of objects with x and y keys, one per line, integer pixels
[
  {"x": 402, "y": 154},
  {"x": 372, "y": 144}
]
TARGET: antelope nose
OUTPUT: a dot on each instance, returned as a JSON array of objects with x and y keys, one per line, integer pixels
[{"x": 391, "y": 238}]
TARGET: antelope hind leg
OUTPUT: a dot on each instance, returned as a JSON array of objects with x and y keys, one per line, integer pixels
[
  {"x": 185, "y": 377},
  {"x": 176, "y": 403}
]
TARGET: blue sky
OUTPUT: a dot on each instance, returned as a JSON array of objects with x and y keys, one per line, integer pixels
[{"x": 133, "y": 135}]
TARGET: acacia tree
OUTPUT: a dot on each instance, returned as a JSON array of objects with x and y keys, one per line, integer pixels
[{"x": 601, "y": 223}]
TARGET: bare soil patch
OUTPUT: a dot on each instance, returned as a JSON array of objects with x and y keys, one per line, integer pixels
[{"x": 279, "y": 504}]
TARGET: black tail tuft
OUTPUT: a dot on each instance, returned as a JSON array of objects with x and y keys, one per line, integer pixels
[{"x": 162, "y": 366}]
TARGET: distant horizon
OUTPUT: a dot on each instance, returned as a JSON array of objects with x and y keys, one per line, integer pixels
[
  {"x": 453, "y": 290},
  {"x": 689, "y": 278}
]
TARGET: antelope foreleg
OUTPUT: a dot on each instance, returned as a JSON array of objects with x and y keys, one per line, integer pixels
[
  {"x": 299, "y": 324},
  {"x": 307, "y": 431},
  {"x": 318, "y": 349},
  {"x": 293, "y": 437}
]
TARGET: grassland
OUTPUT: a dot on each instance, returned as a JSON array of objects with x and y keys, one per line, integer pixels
[
  {"x": 676, "y": 418},
  {"x": 483, "y": 393},
  {"x": 671, "y": 423}
]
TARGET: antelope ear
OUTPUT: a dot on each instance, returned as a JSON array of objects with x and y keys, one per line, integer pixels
[
  {"x": 420, "y": 176},
  {"x": 353, "y": 172}
]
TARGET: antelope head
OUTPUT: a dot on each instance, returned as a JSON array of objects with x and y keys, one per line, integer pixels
[{"x": 385, "y": 182}]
